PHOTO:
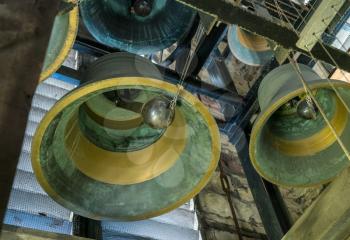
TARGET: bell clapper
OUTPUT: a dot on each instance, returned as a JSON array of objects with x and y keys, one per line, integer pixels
[
  {"x": 307, "y": 109},
  {"x": 159, "y": 112},
  {"x": 141, "y": 8}
]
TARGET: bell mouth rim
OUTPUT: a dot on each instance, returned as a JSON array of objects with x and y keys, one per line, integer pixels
[
  {"x": 73, "y": 18},
  {"x": 252, "y": 57},
  {"x": 121, "y": 81},
  {"x": 153, "y": 162},
  {"x": 254, "y": 43},
  {"x": 264, "y": 117}
]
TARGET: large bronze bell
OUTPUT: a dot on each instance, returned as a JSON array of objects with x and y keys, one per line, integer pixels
[
  {"x": 247, "y": 47},
  {"x": 62, "y": 38},
  {"x": 290, "y": 147},
  {"x": 94, "y": 154},
  {"x": 137, "y": 26}
]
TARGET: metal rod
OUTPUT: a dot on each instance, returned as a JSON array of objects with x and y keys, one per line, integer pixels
[{"x": 226, "y": 186}]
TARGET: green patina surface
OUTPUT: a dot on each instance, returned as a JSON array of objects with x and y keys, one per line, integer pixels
[
  {"x": 112, "y": 23},
  {"x": 293, "y": 127},
  {"x": 57, "y": 39},
  {"x": 302, "y": 170},
  {"x": 97, "y": 199},
  {"x": 292, "y": 170},
  {"x": 117, "y": 140}
]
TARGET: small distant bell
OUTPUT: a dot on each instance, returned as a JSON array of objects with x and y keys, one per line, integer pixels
[
  {"x": 142, "y": 8},
  {"x": 157, "y": 113},
  {"x": 306, "y": 111}
]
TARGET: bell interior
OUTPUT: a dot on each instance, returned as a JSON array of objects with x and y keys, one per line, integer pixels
[
  {"x": 291, "y": 149},
  {"x": 116, "y": 128},
  {"x": 111, "y": 23},
  {"x": 125, "y": 184}
]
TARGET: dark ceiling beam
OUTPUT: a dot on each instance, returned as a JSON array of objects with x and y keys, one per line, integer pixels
[
  {"x": 231, "y": 12},
  {"x": 25, "y": 28}
]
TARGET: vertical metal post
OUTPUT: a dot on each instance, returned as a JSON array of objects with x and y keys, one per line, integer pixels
[
  {"x": 271, "y": 210},
  {"x": 25, "y": 28},
  {"x": 85, "y": 227}
]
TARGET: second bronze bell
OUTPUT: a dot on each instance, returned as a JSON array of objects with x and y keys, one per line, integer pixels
[
  {"x": 288, "y": 145},
  {"x": 94, "y": 154}
]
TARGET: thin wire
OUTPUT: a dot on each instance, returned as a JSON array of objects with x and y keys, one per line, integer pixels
[
  {"x": 329, "y": 81},
  {"x": 310, "y": 94},
  {"x": 320, "y": 41},
  {"x": 199, "y": 33}
]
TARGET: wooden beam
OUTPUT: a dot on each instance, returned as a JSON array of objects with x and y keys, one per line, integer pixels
[
  {"x": 25, "y": 27},
  {"x": 230, "y": 12},
  {"x": 17, "y": 233},
  {"x": 328, "y": 218}
]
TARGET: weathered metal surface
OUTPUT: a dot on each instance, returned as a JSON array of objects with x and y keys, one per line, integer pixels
[
  {"x": 285, "y": 148},
  {"x": 164, "y": 176},
  {"x": 328, "y": 218},
  {"x": 24, "y": 34},
  {"x": 249, "y": 48},
  {"x": 113, "y": 24},
  {"x": 278, "y": 31},
  {"x": 61, "y": 41}
]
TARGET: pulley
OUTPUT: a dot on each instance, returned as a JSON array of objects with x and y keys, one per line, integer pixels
[
  {"x": 61, "y": 41},
  {"x": 95, "y": 154},
  {"x": 247, "y": 47},
  {"x": 137, "y": 26},
  {"x": 291, "y": 144}
]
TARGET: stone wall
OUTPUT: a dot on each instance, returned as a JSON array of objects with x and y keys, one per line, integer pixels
[
  {"x": 213, "y": 208},
  {"x": 297, "y": 200}
]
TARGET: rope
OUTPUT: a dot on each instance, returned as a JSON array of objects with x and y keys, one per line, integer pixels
[
  {"x": 310, "y": 94},
  {"x": 313, "y": 57}
]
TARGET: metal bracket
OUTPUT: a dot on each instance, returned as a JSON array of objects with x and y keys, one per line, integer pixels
[
  {"x": 208, "y": 21},
  {"x": 318, "y": 23}
]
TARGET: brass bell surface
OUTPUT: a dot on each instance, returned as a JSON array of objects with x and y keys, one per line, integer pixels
[
  {"x": 90, "y": 160},
  {"x": 248, "y": 47},
  {"x": 61, "y": 41},
  {"x": 289, "y": 149},
  {"x": 137, "y": 26}
]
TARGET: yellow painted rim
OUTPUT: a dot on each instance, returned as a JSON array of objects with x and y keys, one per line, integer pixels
[
  {"x": 114, "y": 124},
  {"x": 132, "y": 167},
  {"x": 67, "y": 46},
  {"x": 263, "y": 118},
  {"x": 129, "y": 123},
  {"x": 126, "y": 81},
  {"x": 253, "y": 42},
  {"x": 317, "y": 142}
]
